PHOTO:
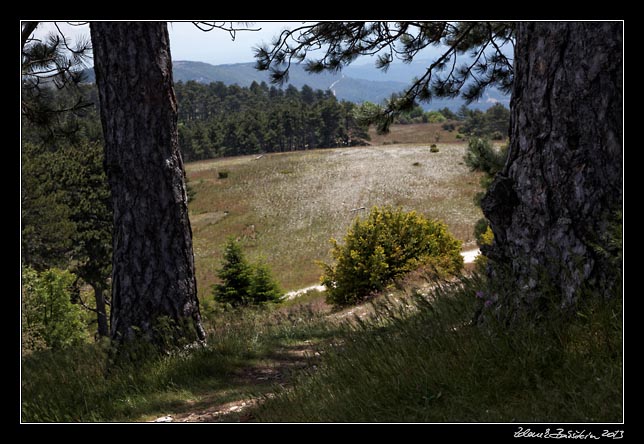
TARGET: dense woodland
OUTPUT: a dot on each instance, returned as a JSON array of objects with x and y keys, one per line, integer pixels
[{"x": 215, "y": 120}]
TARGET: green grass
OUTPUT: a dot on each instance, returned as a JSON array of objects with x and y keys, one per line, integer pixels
[
  {"x": 400, "y": 359},
  {"x": 425, "y": 133},
  {"x": 426, "y": 363},
  {"x": 286, "y": 207},
  {"x": 73, "y": 385}
]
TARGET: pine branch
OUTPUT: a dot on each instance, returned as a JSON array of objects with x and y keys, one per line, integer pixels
[
  {"x": 231, "y": 29},
  {"x": 343, "y": 42},
  {"x": 27, "y": 30}
]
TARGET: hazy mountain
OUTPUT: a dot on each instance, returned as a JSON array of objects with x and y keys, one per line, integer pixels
[
  {"x": 397, "y": 71},
  {"x": 357, "y": 83},
  {"x": 403, "y": 73},
  {"x": 344, "y": 87}
]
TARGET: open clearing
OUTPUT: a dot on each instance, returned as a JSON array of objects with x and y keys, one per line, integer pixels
[
  {"x": 424, "y": 133},
  {"x": 285, "y": 207}
]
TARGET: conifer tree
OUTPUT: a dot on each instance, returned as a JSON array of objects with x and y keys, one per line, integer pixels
[
  {"x": 263, "y": 286},
  {"x": 243, "y": 283},
  {"x": 235, "y": 275}
]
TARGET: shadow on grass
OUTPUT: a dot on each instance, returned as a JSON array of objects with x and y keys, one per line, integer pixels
[
  {"x": 249, "y": 383},
  {"x": 249, "y": 353}
]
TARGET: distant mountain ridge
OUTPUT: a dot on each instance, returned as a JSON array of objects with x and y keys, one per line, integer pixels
[
  {"x": 355, "y": 84},
  {"x": 243, "y": 74}
]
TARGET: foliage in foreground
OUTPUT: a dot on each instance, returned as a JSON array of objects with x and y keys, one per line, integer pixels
[
  {"x": 437, "y": 366},
  {"x": 67, "y": 213},
  {"x": 49, "y": 318},
  {"x": 412, "y": 362},
  {"x": 386, "y": 245},
  {"x": 481, "y": 156}
]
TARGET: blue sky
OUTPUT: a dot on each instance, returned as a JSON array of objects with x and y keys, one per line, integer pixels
[
  {"x": 215, "y": 47},
  {"x": 189, "y": 43}
]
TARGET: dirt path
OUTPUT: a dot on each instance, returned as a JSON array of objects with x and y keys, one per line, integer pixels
[
  {"x": 470, "y": 255},
  {"x": 301, "y": 291},
  {"x": 278, "y": 368}
]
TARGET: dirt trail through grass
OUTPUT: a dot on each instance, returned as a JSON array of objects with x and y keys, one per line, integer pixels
[
  {"x": 279, "y": 369},
  {"x": 252, "y": 384}
]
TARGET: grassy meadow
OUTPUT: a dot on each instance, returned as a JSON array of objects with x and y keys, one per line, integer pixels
[
  {"x": 285, "y": 207},
  {"x": 415, "y": 133}
]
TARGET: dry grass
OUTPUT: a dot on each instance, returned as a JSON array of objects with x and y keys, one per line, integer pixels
[
  {"x": 286, "y": 207},
  {"x": 425, "y": 133}
]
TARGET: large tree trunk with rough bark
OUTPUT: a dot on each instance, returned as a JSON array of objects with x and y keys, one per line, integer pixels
[
  {"x": 554, "y": 207},
  {"x": 101, "y": 313},
  {"x": 153, "y": 277}
]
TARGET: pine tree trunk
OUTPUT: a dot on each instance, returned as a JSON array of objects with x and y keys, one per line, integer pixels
[
  {"x": 553, "y": 206},
  {"x": 153, "y": 265},
  {"x": 101, "y": 313}
]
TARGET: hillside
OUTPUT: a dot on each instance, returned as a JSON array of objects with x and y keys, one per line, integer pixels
[
  {"x": 123, "y": 236},
  {"x": 355, "y": 84},
  {"x": 286, "y": 207},
  {"x": 344, "y": 87},
  {"x": 243, "y": 74}
]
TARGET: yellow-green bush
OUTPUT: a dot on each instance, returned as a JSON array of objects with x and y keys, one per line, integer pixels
[
  {"x": 384, "y": 246},
  {"x": 485, "y": 238}
]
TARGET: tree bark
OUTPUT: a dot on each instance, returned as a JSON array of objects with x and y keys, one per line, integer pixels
[
  {"x": 101, "y": 313},
  {"x": 153, "y": 264},
  {"x": 553, "y": 206}
]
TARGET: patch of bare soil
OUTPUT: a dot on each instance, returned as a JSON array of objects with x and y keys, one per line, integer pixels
[
  {"x": 207, "y": 218},
  {"x": 279, "y": 368}
]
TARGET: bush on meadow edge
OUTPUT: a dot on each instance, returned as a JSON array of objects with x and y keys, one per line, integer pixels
[{"x": 386, "y": 245}]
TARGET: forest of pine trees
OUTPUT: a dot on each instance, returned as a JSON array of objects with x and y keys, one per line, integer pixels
[{"x": 218, "y": 120}]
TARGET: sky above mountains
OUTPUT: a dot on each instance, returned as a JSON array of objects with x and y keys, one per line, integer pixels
[
  {"x": 187, "y": 42},
  {"x": 216, "y": 47}
]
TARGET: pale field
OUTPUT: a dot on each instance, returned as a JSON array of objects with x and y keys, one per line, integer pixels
[{"x": 286, "y": 207}]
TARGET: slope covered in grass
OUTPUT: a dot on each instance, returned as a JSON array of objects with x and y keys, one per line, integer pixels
[
  {"x": 246, "y": 351},
  {"x": 286, "y": 207},
  {"x": 400, "y": 359},
  {"x": 426, "y": 362}
]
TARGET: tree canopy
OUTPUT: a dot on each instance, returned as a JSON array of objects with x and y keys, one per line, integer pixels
[{"x": 51, "y": 65}]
